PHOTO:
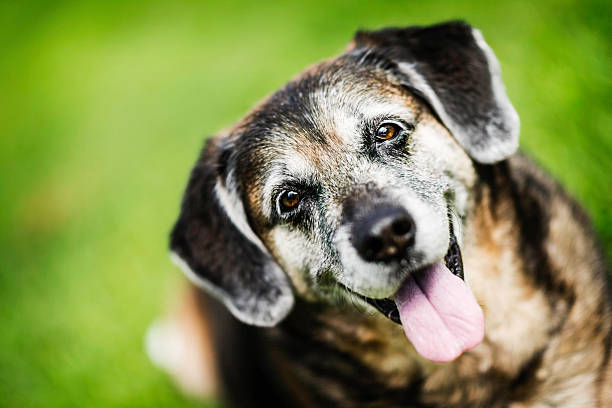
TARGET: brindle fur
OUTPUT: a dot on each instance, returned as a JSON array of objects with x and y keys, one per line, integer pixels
[{"x": 529, "y": 253}]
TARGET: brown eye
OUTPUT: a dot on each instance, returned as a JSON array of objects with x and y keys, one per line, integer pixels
[
  {"x": 288, "y": 201},
  {"x": 387, "y": 131},
  {"x": 390, "y": 130}
]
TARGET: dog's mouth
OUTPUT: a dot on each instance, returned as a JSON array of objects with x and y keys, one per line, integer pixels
[
  {"x": 436, "y": 308},
  {"x": 453, "y": 262}
]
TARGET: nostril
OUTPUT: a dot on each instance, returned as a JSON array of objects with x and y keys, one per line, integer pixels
[
  {"x": 371, "y": 246},
  {"x": 374, "y": 244},
  {"x": 401, "y": 227}
]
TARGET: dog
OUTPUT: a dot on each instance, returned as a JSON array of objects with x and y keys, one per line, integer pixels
[{"x": 369, "y": 236}]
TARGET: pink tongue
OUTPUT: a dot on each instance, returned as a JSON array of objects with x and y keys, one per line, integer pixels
[{"x": 439, "y": 314}]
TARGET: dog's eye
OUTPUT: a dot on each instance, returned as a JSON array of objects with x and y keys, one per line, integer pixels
[
  {"x": 390, "y": 130},
  {"x": 288, "y": 201},
  {"x": 387, "y": 131}
]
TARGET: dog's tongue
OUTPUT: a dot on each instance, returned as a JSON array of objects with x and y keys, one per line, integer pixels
[{"x": 439, "y": 314}]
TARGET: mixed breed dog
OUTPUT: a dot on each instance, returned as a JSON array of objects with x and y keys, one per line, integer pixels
[{"x": 368, "y": 236}]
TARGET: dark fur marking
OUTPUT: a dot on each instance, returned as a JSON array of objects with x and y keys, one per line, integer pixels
[
  {"x": 192, "y": 239},
  {"x": 301, "y": 336},
  {"x": 525, "y": 384},
  {"x": 530, "y": 198},
  {"x": 242, "y": 353},
  {"x": 373, "y": 57}
]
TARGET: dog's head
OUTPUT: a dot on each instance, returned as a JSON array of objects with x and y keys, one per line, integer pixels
[{"x": 356, "y": 175}]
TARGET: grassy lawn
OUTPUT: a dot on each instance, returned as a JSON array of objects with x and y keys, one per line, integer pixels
[{"x": 104, "y": 106}]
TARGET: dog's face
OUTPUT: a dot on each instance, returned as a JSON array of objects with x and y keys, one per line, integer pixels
[
  {"x": 354, "y": 182},
  {"x": 354, "y": 175}
]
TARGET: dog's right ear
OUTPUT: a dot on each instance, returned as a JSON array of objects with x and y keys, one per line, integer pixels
[
  {"x": 214, "y": 245},
  {"x": 452, "y": 68}
]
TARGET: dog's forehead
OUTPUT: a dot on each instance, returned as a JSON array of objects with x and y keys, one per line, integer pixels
[
  {"x": 309, "y": 124},
  {"x": 315, "y": 106}
]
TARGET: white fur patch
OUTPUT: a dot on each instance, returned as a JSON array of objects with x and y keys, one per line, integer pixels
[
  {"x": 510, "y": 115},
  {"x": 234, "y": 208},
  {"x": 176, "y": 348}
]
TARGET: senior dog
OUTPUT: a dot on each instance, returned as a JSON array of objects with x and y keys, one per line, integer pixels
[{"x": 380, "y": 243}]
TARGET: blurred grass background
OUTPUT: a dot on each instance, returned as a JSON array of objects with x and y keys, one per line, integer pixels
[{"x": 105, "y": 104}]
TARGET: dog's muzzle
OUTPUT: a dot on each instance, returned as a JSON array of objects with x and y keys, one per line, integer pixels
[
  {"x": 434, "y": 305},
  {"x": 453, "y": 262}
]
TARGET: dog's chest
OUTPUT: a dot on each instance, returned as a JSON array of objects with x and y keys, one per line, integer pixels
[{"x": 348, "y": 358}]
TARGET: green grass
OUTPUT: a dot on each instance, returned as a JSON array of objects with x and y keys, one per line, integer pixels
[{"x": 104, "y": 105}]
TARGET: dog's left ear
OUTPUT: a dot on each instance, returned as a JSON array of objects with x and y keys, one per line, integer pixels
[
  {"x": 453, "y": 69},
  {"x": 213, "y": 243}
]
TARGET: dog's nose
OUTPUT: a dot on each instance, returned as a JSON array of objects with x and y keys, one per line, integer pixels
[{"x": 384, "y": 235}]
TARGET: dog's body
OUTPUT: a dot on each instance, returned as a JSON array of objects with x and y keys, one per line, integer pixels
[{"x": 349, "y": 185}]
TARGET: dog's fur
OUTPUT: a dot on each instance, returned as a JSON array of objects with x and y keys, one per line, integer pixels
[{"x": 530, "y": 256}]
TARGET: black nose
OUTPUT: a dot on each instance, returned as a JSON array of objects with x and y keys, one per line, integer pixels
[{"x": 384, "y": 234}]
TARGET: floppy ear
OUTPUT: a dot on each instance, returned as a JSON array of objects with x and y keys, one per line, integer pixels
[
  {"x": 452, "y": 68},
  {"x": 214, "y": 245}
]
